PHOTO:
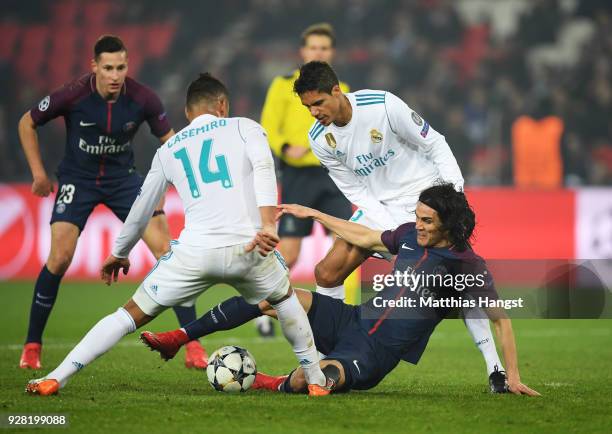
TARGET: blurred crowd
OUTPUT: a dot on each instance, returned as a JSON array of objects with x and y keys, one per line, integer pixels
[{"x": 472, "y": 68}]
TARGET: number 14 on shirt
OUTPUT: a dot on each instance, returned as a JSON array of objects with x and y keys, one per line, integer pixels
[{"x": 208, "y": 176}]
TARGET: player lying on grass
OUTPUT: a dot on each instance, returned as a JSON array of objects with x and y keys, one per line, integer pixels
[
  {"x": 228, "y": 200},
  {"x": 364, "y": 343}
]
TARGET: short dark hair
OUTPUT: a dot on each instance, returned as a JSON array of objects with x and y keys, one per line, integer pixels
[
  {"x": 317, "y": 76},
  {"x": 205, "y": 88},
  {"x": 456, "y": 214},
  {"x": 108, "y": 44},
  {"x": 321, "y": 29}
]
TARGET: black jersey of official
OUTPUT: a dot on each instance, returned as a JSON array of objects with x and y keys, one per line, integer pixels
[{"x": 99, "y": 132}]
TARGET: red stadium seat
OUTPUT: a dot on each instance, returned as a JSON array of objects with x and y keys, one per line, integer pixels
[
  {"x": 10, "y": 32},
  {"x": 158, "y": 39},
  {"x": 97, "y": 14},
  {"x": 61, "y": 58},
  {"x": 133, "y": 37},
  {"x": 64, "y": 13},
  {"x": 31, "y": 56},
  {"x": 89, "y": 36}
]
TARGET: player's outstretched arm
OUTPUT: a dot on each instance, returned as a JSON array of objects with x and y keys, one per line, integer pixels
[
  {"x": 505, "y": 335},
  {"x": 353, "y": 233},
  {"x": 41, "y": 185}
]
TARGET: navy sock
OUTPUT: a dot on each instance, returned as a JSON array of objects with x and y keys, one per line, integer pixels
[
  {"x": 45, "y": 293},
  {"x": 184, "y": 314},
  {"x": 224, "y": 316},
  {"x": 285, "y": 386}
]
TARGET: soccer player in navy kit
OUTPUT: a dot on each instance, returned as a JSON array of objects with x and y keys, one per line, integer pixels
[
  {"x": 364, "y": 343},
  {"x": 102, "y": 112}
]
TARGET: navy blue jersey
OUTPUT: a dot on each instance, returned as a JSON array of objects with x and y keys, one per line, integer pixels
[
  {"x": 99, "y": 132},
  {"x": 443, "y": 280}
]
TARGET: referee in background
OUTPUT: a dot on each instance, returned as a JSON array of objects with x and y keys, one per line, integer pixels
[{"x": 303, "y": 180}]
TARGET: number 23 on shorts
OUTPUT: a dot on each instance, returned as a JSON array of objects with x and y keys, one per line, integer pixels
[{"x": 66, "y": 194}]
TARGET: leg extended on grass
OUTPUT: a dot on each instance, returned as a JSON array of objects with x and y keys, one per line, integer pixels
[
  {"x": 226, "y": 315},
  {"x": 100, "y": 338}
]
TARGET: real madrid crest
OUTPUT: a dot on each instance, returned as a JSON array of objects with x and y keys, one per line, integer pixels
[
  {"x": 376, "y": 136},
  {"x": 331, "y": 140}
]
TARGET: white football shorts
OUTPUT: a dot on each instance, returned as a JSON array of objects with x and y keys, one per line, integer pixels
[
  {"x": 363, "y": 218},
  {"x": 185, "y": 272}
]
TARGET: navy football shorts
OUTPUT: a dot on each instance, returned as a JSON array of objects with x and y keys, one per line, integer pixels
[
  {"x": 338, "y": 334},
  {"x": 311, "y": 187},
  {"x": 77, "y": 197}
]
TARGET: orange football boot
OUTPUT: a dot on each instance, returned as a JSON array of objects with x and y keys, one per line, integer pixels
[{"x": 43, "y": 387}]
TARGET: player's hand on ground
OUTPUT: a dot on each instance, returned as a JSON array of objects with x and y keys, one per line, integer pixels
[
  {"x": 519, "y": 388},
  {"x": 295, "y": 151},
  {"x": 112, "y": 266},
  {"x": 42, "y": 186},
  {"x": 298, "y": 211}
]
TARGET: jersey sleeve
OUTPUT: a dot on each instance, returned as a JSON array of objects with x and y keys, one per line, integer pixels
[
  {"x": 155, "y": 115},
  {"x": 391, "y": 239},
  {"x": 53, "y": 105},
  {"x": 351, "y": 186},
  {"x": 152, "y": 190},
  {"x": 416, "y": 131},
  {"x": 258, "y": 153},
  {"x": 273, "y": 114}
]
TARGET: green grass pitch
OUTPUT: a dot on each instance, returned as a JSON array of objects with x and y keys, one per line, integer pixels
[{"x": 131, "y": 390}]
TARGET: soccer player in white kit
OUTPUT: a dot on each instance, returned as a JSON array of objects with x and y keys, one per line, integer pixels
[
  {"x": 223, "y": 171},
  {"x": 381, "y": 154}
]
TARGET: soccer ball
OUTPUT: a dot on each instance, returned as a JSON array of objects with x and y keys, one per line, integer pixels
[{"x": 231, "y": 369}]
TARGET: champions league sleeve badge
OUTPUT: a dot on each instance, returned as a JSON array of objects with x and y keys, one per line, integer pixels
[{"x": 43, "y": 105}]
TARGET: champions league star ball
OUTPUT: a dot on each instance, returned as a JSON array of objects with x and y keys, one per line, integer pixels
[{"x": 231, "y": 369}]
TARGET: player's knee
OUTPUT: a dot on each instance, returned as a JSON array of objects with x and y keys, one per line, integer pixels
[
  {"x": 160, "y": 246},
  {"x": 138, "y": 316},
  {"x": 59, "y": 260},
  {"x": 326, "y": 276},
  {"x": 290, "y": 252},
  {"x": 290, "y": 258},
  {"x": 160, "y": 250}
]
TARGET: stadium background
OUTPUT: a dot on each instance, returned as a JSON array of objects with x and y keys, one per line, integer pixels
[{"x": 470, "y": 67}]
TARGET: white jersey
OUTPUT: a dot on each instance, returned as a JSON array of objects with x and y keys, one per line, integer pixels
[
  {"x": 222, "y": 169},
  {"x": 384, "y": 157}
]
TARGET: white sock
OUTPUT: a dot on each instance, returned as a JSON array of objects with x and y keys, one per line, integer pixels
[
  {"x": 101, "y": 338},
  {"x": 264, "y": 323},
  {"x": 296, "y": 328},
  {"x": 480, "y": 329},
  {"x": 335, "y": 292}
]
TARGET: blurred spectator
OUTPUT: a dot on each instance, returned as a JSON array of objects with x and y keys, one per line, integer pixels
[{"x": 536, "y": 148}]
